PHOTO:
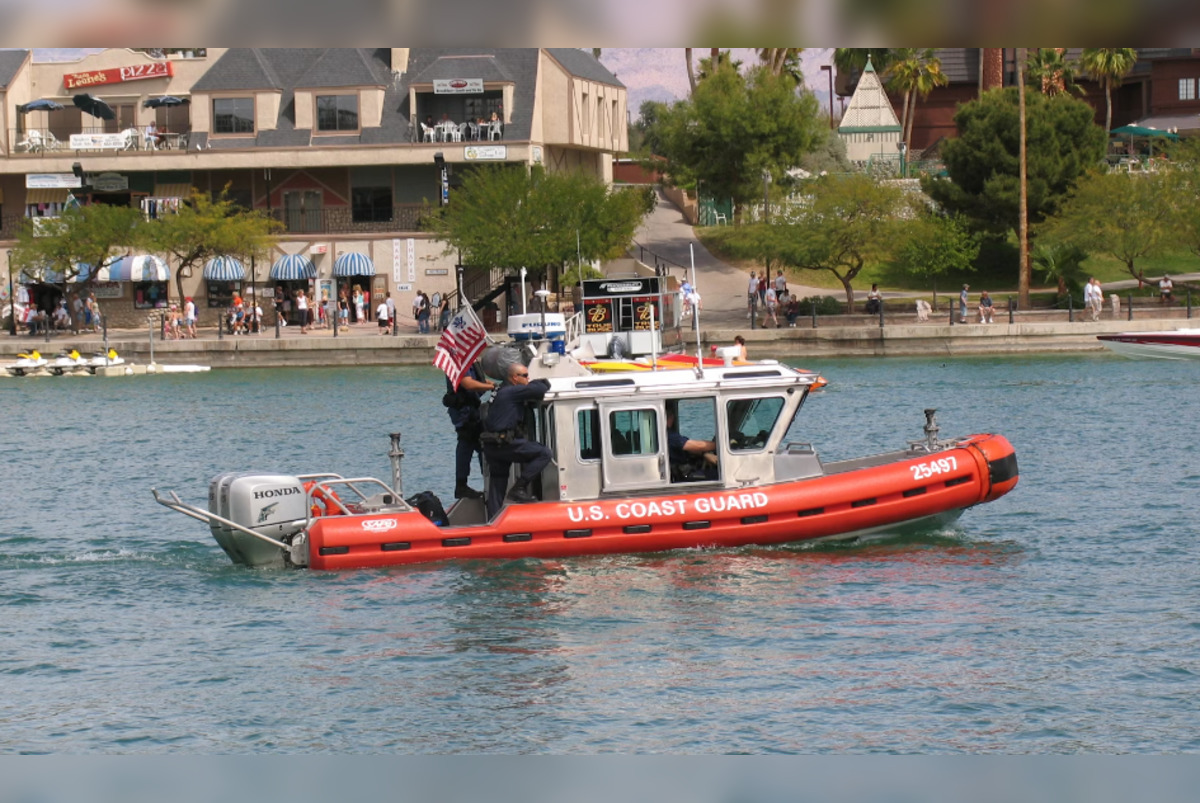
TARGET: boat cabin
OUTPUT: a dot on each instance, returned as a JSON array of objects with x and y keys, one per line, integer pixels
[{"x": 610, "y": 435}]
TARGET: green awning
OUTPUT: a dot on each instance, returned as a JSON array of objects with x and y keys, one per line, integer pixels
[{"x": 1141, "y": 131}]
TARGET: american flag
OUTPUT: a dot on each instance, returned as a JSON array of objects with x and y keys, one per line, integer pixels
[{"x": 461, "y": 342}]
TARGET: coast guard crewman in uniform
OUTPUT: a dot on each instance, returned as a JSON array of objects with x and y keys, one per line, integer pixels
[{"x": 504, "y": 440}]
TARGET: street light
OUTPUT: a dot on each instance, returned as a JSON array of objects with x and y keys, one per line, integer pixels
[{"x": 829, "y": 69}]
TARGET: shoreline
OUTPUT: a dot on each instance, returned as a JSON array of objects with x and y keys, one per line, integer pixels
[{"x": 321, "y": 348}]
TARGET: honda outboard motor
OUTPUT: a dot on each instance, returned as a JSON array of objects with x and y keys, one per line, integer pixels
[{"x": 271, "y": 504}]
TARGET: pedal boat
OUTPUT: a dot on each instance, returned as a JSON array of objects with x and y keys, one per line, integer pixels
[{"x": 610, "y": 488}]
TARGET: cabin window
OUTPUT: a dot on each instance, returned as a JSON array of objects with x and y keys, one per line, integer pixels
[
  {"x": 751, "y": 422},
  {"x": 633, "y": 432},
  {"x": 589, "y": 435}
]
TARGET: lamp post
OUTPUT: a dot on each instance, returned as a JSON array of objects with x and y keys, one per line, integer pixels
[{"x": 829, "y": 69}]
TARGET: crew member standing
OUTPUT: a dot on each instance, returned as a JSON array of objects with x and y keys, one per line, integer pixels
[
  {"x": 463, "y": 407},
  {"x": 505, "y": 442}
]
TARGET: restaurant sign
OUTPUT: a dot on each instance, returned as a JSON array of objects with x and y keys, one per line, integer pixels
[
  {"x": 52, "y": 181},
  {"x": 98, "y": 142},
  {"x": 118, "y": 75},
  {"x": 458, "y": 86},
  {"x": 479, "y": 153}
]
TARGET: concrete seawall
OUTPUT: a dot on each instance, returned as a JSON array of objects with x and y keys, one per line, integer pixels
[{"x": 321, "y": 348}]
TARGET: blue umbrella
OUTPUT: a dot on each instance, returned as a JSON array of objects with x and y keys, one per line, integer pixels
[{"x": 42, "y": 105}]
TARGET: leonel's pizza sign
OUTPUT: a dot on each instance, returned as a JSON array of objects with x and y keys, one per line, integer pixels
[{"x": 118, "y": 75}]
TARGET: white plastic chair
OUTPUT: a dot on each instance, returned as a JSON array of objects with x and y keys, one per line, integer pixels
[
  {"x": 32, "y": 142},
  {"x": 427, "y": 134},
  {"x": 720, "y": 219},
  {"x": 131, "y": 136},
  {"x": 494, "y": 130}
]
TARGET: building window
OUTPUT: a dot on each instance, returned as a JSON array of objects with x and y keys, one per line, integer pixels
[
  {"x": 481, "y": 108},
  {"x": 371, "y": 204},
  {"x": 233, "y": 115},
  {"x": 1187, "y": 88},
  {"x": 337, "y": 112}
]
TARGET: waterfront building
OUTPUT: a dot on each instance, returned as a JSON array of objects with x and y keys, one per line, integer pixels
[{"x": 345, "y": 147}]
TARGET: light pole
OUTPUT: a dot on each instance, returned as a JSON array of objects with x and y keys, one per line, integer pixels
[{"x": 829, "y": 69}]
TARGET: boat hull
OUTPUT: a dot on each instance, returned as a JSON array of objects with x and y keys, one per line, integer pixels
[
  {"x": 1183, "y": 344},
  {"x": 891, "y": 491}
]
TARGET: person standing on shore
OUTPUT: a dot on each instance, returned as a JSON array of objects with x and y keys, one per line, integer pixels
[
  {"x": 302, "y": 311},
  {"x": 391, "y": 308},
  {"x": 189, "y": 317},
  {"x": 752, "y": 294},
  {"x": 962, "y": 304}
]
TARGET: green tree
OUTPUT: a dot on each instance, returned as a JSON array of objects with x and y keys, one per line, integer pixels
[
  {"x": 1108, "y": 65},
  {"x": 509, "y": 217},
  {"x": 850, "y": 221},
  {"x": 854, "y": 59},
  {"x": 647, "y": 130},
  {"x": 983, "y": 161},
  {"x": 75, "y": 244},
  {"x": 1129, "y": 217},
  {"x": 735, "y": 127},
  {"x": 205, "y": 228},
  {"x": 933, "y": 245},
  {"x": 1183, "y": 182}
]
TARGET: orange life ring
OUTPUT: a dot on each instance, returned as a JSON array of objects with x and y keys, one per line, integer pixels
[{"x": 324, "y": 503}]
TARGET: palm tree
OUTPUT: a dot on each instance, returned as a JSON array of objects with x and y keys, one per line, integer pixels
[
  {"x": 780, "y": 60},
  {"x": 1108, "y": 65},
  {"x": 854, "y": 59},
  {"x": 1049, "y": 71},
  {"x": 687, "y": 54},
  {"x": 1062, "y": 263},
  {"x": 916, "y": 73},
  {"x": 1023, "y": 192}
]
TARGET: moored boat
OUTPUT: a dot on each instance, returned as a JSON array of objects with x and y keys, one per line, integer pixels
[
  {"x": 27, "y": 363},
  {"x": 1180, "y": 344},
  {"x": 612, "y": 485}
]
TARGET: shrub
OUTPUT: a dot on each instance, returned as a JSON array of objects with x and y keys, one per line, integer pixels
[{"x": 826, "y": 305}]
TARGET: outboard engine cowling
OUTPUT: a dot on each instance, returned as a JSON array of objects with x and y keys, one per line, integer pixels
[{"x": 271, "y": 504}]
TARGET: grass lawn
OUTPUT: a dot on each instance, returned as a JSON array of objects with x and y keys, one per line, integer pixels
[{"x": 995, "y": 271}]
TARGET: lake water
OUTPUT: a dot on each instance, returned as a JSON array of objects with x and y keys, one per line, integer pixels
[{"x": 1062, "y": 618}]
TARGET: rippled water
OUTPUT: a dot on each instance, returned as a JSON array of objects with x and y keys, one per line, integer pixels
[{"x": 1064, "y": 617}]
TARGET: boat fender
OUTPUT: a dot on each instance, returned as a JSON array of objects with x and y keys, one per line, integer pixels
[{"x": 322, "y": 497}]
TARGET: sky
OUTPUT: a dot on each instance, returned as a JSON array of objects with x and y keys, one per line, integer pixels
[{"x": 660, "y": 73}]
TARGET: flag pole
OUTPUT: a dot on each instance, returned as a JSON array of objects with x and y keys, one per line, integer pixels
[{"x": 695, "y": 307}]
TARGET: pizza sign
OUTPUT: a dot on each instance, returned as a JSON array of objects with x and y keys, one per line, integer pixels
[{"x": 118, "y": 75}]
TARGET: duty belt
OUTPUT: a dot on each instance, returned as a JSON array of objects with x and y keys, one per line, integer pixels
[{"x": 501, "y": 438}]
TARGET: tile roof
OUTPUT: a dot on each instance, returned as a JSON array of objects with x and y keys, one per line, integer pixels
[
  {"x": 239, "y": 68},
  {"x": 583, "y": 65},
  {"x": 445, "y": 67},
  {"x": 342, "y": 66},
  {"x": 10, "y": 62}
]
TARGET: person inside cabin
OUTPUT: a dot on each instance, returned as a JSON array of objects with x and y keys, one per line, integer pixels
[
  {"x": 691, "y": 460},
  {"x": 505, "y": 441}
]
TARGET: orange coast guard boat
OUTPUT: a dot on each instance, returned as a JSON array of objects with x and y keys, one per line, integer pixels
[{"x": 612, "y": 485}]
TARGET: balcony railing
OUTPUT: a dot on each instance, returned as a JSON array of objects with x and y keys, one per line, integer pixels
[
  {"x": 345, "y": 220},
  {"x": 41, "y": 142}
]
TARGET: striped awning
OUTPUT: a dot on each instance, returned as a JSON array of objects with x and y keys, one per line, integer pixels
[
  {"x": 183, "y": 190},
  {"x": 293, "y": 267},
  {"x": 224, "y": 269},
  {"x": 46, "y": 195},
  {"x": 352, "y": 264},
  {"x": 82, "y": 271},
  {"x": 141, "y": 268}
]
